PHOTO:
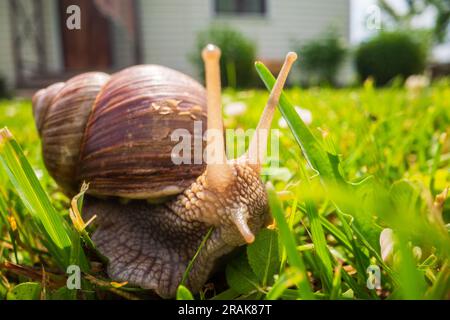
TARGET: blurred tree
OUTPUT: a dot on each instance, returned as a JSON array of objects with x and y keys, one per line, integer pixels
[
  {"x": 321, "y": 58},
  {"x": 416, "y": 7},
  {"x": 238, "y": 55},
  {"x": 390, "y": 54}
]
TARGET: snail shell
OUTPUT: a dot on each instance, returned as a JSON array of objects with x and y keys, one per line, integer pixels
[{"x": 115, "y": 131}]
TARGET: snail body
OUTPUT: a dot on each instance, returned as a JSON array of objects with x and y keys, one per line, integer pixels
[{"x": 114, "y": 132}]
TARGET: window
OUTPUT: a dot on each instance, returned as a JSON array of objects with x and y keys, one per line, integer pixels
[{"x": 240, "y": 7}]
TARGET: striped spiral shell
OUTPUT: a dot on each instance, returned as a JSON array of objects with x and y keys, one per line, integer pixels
[{"x": 114, "y": 131}]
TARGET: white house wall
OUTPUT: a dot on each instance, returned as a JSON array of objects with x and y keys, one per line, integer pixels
[{"x": 169, "y": 28}]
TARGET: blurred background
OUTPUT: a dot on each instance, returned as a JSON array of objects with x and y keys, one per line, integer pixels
[
  {"x": 340, "y": 42},
  {"x": 371, "y": 86}
]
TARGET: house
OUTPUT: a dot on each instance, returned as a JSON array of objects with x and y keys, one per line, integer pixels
[{"x": 41, "y": 41}]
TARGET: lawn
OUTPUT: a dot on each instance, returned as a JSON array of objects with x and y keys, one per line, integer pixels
[{"x": 371, "y": 199}]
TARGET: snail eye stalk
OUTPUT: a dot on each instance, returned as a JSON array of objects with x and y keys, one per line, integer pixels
[
  {"x": 218, "y": 172},
  {"x": 258, "y": 144}
]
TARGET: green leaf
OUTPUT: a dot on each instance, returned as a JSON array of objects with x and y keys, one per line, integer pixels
[
  {"x": 240, "y": 276},
  {"x": 183, "y": 293},
  {"x": 263, "y": 256},
  {"x": 25, "y": 291},
  {"x": 293, "y": 256}
]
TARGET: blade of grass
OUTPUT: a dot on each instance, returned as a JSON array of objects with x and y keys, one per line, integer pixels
[
  {"x": 291, "y": 226},
  {"x": 4, "y": 219},
  {"x": 318, "y": 237},
  {"x": 288, "y": 240},
  {"x": 191, "y": 263},
  {"x": 336, "y": 285},
  {"x": 33, "y": 195},
  {"x": 359, "y": 290},
  {"x": 286, "y": 280},
  {"x": 441, "y": 286},
  {"x": 337, "y": 234}
]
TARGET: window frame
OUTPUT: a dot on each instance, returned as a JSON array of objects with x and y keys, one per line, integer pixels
[{"x": 262, "y": 13}]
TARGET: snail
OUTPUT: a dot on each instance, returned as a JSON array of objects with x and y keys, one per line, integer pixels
[{"x": 114, "y": 132}]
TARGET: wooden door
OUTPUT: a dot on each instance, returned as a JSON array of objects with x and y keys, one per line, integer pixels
[{"x": 89, "y": 47}]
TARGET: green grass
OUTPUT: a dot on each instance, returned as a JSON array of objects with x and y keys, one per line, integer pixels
[{"x": 371, "y": 159}]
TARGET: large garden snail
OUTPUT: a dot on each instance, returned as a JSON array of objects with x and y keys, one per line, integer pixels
[{"x": 114, "y": 132}]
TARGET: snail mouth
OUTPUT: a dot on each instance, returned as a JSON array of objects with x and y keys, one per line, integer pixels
[{"x": 240, "y": 218}]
